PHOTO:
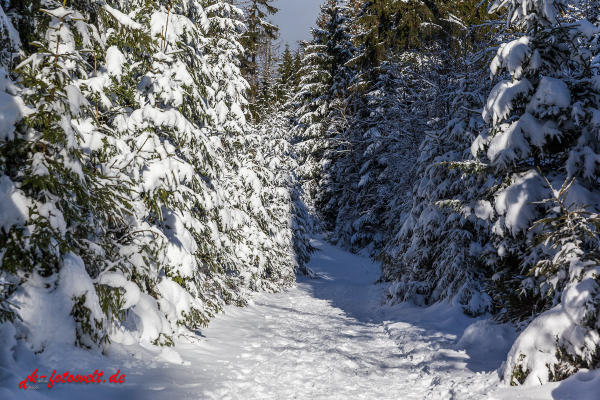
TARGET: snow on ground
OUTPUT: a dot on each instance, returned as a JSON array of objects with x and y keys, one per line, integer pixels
[{"x": 328, "y": 338}]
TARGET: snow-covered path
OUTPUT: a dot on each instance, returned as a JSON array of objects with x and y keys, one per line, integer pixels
[
  {"x": 318, "y": 341},
  {"x": 328, "y": 338}
]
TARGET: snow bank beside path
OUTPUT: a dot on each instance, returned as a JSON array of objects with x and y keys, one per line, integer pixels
[{"x": 328, "y": 338}]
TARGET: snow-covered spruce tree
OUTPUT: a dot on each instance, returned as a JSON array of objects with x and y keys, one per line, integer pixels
[
  {"x": 436, "y": 254},
  {"x": 373, "y": 176},
  {"x": 339, "y": 50},
  {"x": 126, "y": 278},
  {"x": 156, "y": 78},
  {"x": 400, "y": 86},
  {"x": 323, "y": 94},
  {"x": 310, "y": 105},
  {"x": 365, "y": 174},
  {"x": 258, "y": 32},
  {"x": 287, "y": 81},
  {"x": 146, "y": 247},
  {"x": 268, "y": 60},
  {"x": 59, "y": 206},
  {"x": 289, "y": 220},
  {"x": 273, "y": 135},
  {"x": 279, "y": 122},
  {"x": 227, "y": 92},
  {"x": 543, "y": 130},
  {"x": 568, "y": 237},
  {"x": 235, "y": 248},
  {"x": 256, "y": 210}
]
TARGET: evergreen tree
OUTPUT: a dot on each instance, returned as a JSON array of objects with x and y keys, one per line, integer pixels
[
  {"x": 268, "y": 91},
  {"x": 254, "y": 213},
  {"x": 387, "y": 26},
  {"x": 67, "y": 206},
  {"x": 227, "y": 89},
  {"x": 325, "y": 79},
  {"x": 286, "y": 71},
  {"x": 129, "y": 179},
  {"x": 275, "y": 130},
  {"x": 373, "y": 176},
  {"x": 258, "y": 32},
  {"x": 446, "y": 230},
  {"x": 542, "y": 133}
]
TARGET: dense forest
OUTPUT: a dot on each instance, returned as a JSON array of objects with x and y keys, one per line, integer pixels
[{"x": 160, "y": 159}]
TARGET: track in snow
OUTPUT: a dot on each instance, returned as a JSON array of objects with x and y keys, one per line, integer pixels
[
  {"x": 325, "y": 339},
  {"x": 328, "y": 338}
]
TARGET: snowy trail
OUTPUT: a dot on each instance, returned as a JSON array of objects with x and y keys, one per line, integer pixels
[
  {"x": 317, "y": 341},
  {"x": 328, "y": 338}
]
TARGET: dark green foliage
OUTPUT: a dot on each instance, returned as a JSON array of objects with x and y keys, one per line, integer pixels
[
  {"x": 88, "y": 329},
  {"x": 259, "y": 31}
]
